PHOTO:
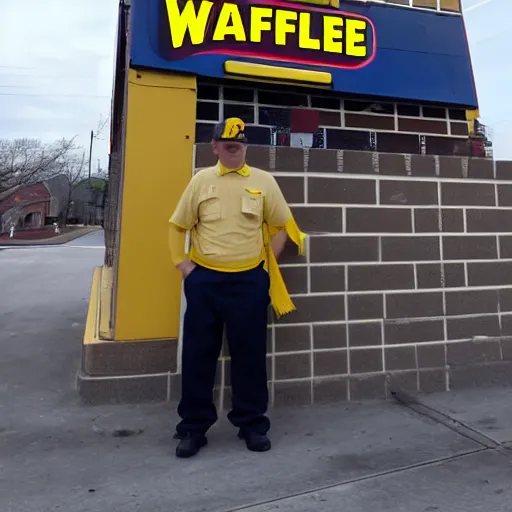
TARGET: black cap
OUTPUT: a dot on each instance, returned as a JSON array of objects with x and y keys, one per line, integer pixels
[{"x": 232, "y": 129}]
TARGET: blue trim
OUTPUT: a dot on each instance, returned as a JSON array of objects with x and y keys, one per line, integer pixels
[{"x": 421, "y": 56}]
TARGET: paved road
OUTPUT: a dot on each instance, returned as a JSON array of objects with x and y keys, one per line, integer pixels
[{"x": 56, "y": 455}]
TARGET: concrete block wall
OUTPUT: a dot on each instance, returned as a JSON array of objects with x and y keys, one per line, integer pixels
[{"x": 407, "y": 282}]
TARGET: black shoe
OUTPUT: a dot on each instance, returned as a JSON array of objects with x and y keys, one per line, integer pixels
[
  {"x": 255, "y": 442},
  {"x": 189, "y": 445}
]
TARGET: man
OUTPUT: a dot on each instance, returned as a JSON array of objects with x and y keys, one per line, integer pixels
[{"x": 239, "y": 222}]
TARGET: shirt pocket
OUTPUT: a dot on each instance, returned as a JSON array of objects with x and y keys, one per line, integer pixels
[
  {"x": 209, "y": 206},
  {"x": 252, "y": 203}
]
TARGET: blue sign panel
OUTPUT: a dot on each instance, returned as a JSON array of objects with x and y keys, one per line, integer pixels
[{"x": 372, "y": 50}]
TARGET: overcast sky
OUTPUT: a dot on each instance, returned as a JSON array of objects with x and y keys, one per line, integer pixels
[
  {"x": 488, "y": 25},
  {"x": 56, "y": 65}
]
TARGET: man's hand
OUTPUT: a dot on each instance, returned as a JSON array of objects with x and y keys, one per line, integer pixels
[{"x": 186, "y": 267}]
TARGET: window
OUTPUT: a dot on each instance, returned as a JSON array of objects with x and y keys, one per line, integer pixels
[
  {"x": 244, "y": 112},
  {"x": 258, "y": 135},
  {"x": 457, "y": 114},
  {"x": 435, "y": 112},
  {"x": 207, "y": 111},
  {"x": 369, "y": 106},
  {"x": 353, "y": 123},
  {"x": 398, "y": 143},
  {"x": 325, "y": 102},
  {"x": 348, "y": 139},
  {"x": 448, "y": 146},
  {"x": 236, "y": 94},
  {"x": 204, "y": 132},
  {"x": 207, "y": 92},
  {"x": 284, "y": 99},
  {"x": 274, "y": 116},
  {"x": 408, "y": 110}
]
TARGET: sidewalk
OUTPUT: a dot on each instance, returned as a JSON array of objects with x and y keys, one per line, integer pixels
[
  {"x": 357, "y": 457},
  {"x": 63, "y": 238},
  {"x": 56, "y": 455}
]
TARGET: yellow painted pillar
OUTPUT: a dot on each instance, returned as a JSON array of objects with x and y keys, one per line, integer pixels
[
  {"x": 160, "y": 129},
  {"x": 472, "y": 116}
]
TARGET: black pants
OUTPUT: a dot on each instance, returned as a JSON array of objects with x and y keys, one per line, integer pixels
[{"x": 238, "y": 300}]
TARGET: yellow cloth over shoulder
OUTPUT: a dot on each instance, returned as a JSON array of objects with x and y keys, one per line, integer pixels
[{"x": 279, "y": 296}]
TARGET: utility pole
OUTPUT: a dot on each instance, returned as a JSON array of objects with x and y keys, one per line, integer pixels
[{"x": 90, "y": 156}]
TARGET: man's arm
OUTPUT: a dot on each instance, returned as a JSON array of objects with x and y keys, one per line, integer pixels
[
  {"x": 183, "y": 219},
  {"x": 177, "y": 244},
  {"x": 277, "y": 214},
  {"x": 177, "y": 247},
  {"x": 279, "y": 217},
  {"x": 279, "y": 242},
  {"x": 276, "y": 210}
]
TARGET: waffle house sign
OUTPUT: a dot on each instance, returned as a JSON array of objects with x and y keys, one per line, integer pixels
[{"x": 272, "y": 30}]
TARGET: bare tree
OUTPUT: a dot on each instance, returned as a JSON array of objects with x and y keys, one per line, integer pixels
[
  {"x": 102, "y": 124},
  {"x": 27, "y": 161},
  {"x": 74, "y": 167},
  {"x": 24, "y": 161}
]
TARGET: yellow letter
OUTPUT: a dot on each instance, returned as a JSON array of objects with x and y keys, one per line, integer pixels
[
  {"x": 283, "y": 26},
  {"x": 305, "y": 40},
  {"x": 258, "y": 25},
  {"x": 355, "y": 32},
  {"x": 229, "y": 24},
  {"x": 187, "y": 19},
  {"x": 333, "y": 30}
]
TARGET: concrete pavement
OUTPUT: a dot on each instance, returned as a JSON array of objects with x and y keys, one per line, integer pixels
[{"x": 58, "y": 455}]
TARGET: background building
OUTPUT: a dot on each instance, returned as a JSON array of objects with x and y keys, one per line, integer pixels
[
  {"x": 34, "y": 205},
  {"x": 87, "y": 202}
]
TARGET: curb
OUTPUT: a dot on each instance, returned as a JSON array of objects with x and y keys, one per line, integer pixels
[{"x": 58, "y": 240}]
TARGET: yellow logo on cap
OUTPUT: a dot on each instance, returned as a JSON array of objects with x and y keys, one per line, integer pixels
[{"x": 233, "y": 127}]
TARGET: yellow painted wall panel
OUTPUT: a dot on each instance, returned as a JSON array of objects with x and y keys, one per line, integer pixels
[
  {"x": 91, "y": 323},
  {"x": 160, "y": 130}
]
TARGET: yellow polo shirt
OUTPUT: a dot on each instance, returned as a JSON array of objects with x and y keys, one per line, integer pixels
[
  {"x": 225, "y": 216},
  {"x": 232, "y": 216}
]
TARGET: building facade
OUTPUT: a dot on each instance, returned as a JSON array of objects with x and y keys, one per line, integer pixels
[
  {"x": 24, "y": 207},
  {"x": 87, "y": 202},
  {"x": 34, "y": 205},
  {"x": 364, "y": 112}
]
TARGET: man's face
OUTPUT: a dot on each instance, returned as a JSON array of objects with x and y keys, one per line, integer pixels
[{"x": 231, "y": 154}]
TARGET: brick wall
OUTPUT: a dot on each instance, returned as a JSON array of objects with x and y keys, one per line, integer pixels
[{"x": 407, "y": 282}]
